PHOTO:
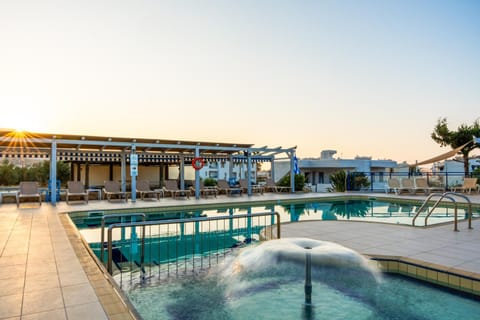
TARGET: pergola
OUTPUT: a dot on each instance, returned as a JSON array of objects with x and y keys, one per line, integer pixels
[{"x": 134, "y": 151}]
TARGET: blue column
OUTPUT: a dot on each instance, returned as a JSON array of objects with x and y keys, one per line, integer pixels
[
  {"x": 230, "y": 167},
  {"x": 249, "y": 176},
  {"x": 133, "y": 174},
  {"x": 182, "y": 173},
  {"x": 272, "y": 168},
  {"x": 123, "y": 172},
  {"x": 292, "y": 173},
  {"x": 53, "y": 173},
  {"x": 197, "y": 177}
]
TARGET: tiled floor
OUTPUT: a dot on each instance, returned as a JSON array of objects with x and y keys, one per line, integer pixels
[{"x": 46, "y": 273}]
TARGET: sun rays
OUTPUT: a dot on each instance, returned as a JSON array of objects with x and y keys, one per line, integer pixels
[{"x": 18, "y": 141}]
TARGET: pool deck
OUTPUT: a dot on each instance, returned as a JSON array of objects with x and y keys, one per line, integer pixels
[{"x": 47, "y": 273}]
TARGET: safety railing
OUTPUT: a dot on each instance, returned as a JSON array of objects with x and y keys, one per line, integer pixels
[
  {"x": 450, "y": 196},
  {"x": 170, "y": 247},
  {"x": 122, "y": 217}
]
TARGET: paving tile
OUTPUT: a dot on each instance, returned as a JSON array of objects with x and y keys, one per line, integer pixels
[
  {"x": 57, "y": 314},
  {"x": 86, "y": 311},
  {"x": 20, "y": 259},
  {"x": 10, "y": 306},
  {"x": 34, "y": 282},
  {"x": 42, "y": 300},
  {"x": 79, "y": 294},
  {"x": 15, "y": 271},
  {"x": 72, "y": 278},
  {"x": 11, "y": 286}
]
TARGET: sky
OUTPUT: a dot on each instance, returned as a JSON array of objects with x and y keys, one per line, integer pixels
[{"x": 363, "y": 77}]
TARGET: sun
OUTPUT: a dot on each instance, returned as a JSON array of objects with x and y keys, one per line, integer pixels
[{"x": 24, "y": 114}]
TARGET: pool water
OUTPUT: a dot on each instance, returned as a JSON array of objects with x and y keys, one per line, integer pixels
[
  {"x": 355, "y": 210},
  {"x": 208, "y": 297}
]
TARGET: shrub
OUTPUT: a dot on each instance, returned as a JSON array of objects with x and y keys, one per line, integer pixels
[
  {"x": 299, "y": 182},
  {"x": 209, "y": 182},
  {"x": 341, "y": 181}
]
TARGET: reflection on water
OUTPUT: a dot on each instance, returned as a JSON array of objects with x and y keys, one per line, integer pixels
[{"x": 361, "y": 210}]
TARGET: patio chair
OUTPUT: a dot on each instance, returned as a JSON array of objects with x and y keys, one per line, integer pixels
[
  {"x": 143, "y": 188},
  {"x": 113, "y": 189},
  {"x": 469, "y": 184},
  {"x": 271, "y": 186},
  {"x": 255, "y": 188},
  {"x": 422, "y": 184},
  {"x": 223, "y": 186},
  {"x": 206, "y": 191},
  {"x": 28, "y": 189},
  {"x": 76, "y": 189},
  {"x": 393, "y": 184},
  {"x": 407, "y": 184},
  {"x": 171, "y": 187}
]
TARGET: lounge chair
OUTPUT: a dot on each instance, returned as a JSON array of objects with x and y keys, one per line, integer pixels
[
  {"x": 206, "y": 191},
  {"x": 255, "y": 188},
  {"x": 223, "y": 186},
  {"x": 407, "y": 184},
  {"x": 422, "y": 184},
  {"x": 76, "y": 189},
  {"x": 393, "y": 184},
  {"x": 143, "y": 189},
  {"x": 271, "y": 186},
  {"x": 171, "y": 187},
  {"x": 28, "y": 189},
  {"x": 113, "y": 189},
  {"x": 469, "y": 184}
]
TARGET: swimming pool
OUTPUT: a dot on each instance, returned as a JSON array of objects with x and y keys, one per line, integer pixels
[
  {"x": 182, "y": 297},
  {"x": 354, "y": 209},
  {"x": 266, "y": 286}
]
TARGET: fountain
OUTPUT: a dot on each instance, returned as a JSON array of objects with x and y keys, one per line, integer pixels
[{"x": 292, "y": 278}]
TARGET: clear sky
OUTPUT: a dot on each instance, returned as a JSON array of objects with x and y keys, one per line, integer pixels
[{"x": 362, "y": 77}]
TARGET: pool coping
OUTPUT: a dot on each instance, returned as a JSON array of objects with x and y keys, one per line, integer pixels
[
  {"x": 115, "y": 304},
  {"x": 450, "y": 278}
]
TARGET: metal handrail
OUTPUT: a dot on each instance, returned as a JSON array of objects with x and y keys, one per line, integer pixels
[
  {"x": 111, "y": 216},
  {"x": 447, "y": 196},
  {"x": 143, "y": 224}
]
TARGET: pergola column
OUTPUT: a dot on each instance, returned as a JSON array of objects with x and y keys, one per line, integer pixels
[
  {"x": 53, "y": 173},
  {"x": 249, "y": 176},
  {"x": 123, "y": 172},
  {"x": 291, "y": 156},
  {"x": 197, "y": 176},
  {"x": 182, "y": 173}
]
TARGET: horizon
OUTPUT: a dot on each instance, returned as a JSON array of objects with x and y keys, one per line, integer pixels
[{"x": 364, "y": 78}]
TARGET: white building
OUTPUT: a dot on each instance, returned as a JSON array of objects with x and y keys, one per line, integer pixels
[
  {"x": 318, "y": 170},
  {"x": 452, "y": 171}
]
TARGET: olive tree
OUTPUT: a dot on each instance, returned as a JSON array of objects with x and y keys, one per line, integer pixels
[{"x": 445, "y": 137}]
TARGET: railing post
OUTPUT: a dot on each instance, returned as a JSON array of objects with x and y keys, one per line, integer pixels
[
  {"x": 456, "y": 218},
  {"x": 109, "y": 251},
  {"x": 278, "y": 224}
]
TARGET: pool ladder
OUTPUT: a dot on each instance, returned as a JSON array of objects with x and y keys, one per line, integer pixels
[{"x": 449, "y": 196}]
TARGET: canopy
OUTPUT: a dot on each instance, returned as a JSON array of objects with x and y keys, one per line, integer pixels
[{"x": 441, "y": 157}]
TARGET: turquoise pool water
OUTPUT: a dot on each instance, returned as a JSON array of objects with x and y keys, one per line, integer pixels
[
  {"x": 355, "y": 210},
  {"x": 279, "y": 294}
]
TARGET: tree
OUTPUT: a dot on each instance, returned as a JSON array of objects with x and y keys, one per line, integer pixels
[
  {"x": 299, "y": 181},
  {"x": 445, "y": 137},
  {"x": 341, "y": 181},
  {"x": 8, "y": 175}
]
